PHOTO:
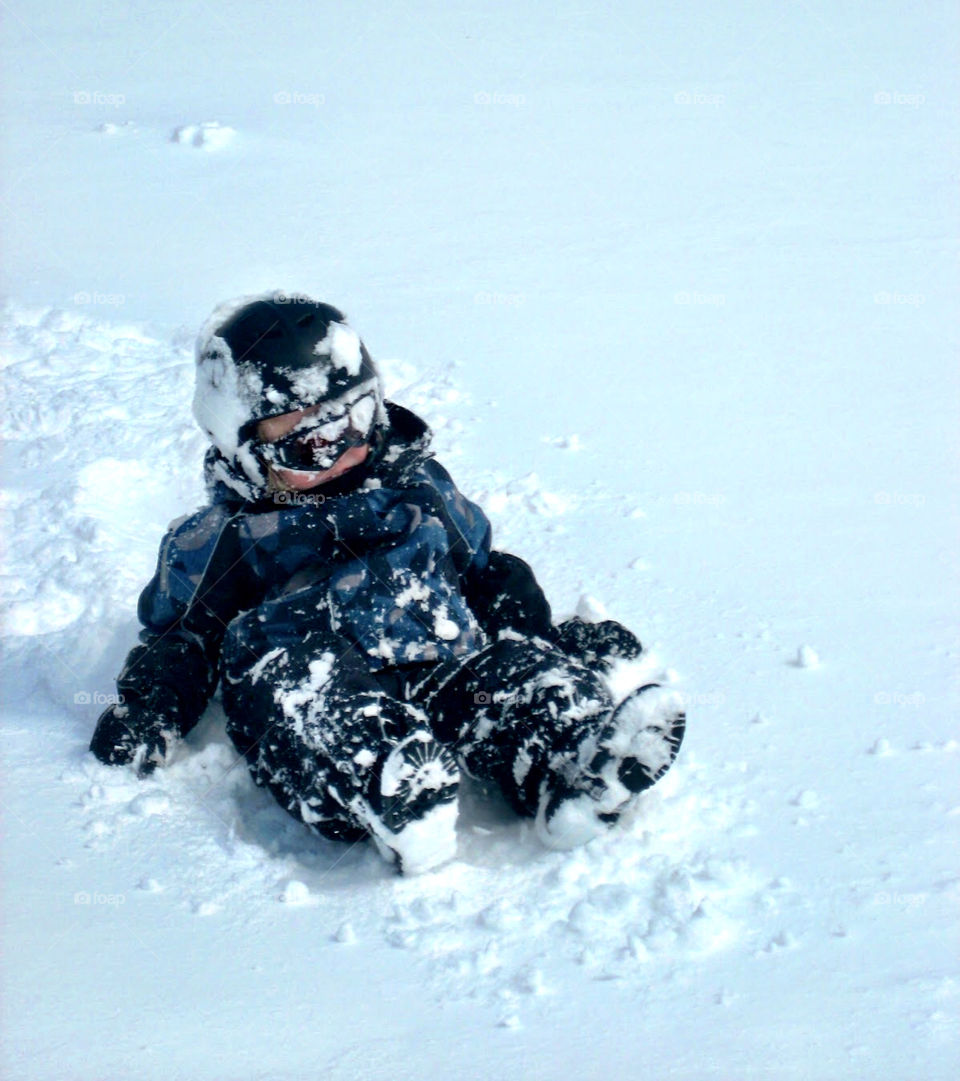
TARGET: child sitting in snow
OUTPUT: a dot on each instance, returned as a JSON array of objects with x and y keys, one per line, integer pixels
[{"x": 369, "y": 642}]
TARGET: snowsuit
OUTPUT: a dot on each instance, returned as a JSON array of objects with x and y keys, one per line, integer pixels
[{"x": 342, "y": 620}]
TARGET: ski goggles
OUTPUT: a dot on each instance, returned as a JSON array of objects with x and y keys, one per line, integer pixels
[{"x": 319, "y": 440}]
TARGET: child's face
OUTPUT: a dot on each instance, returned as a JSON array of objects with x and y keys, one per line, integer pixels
[{"x": 274, "y": 428}]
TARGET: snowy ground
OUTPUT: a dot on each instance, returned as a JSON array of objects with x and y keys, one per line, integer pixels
[{"x": 676, "y": 289}]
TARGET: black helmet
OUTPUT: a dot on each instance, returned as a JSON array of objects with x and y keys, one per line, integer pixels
[{"x": 263, "y": 356}]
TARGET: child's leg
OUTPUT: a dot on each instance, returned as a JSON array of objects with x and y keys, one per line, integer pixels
[
  {"x": 341, "y": 754},
  {"x": 511, "y": 706},
  {"x": 543, "y": 726}
]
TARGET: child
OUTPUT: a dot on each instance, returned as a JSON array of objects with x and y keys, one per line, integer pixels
[{"x": 369, "y": 642}]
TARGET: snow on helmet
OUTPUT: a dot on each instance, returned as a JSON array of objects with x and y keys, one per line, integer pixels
[{"x": 263, "y": 356}]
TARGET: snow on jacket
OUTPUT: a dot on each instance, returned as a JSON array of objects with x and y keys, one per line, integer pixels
[{"x": 393, "y": 562}]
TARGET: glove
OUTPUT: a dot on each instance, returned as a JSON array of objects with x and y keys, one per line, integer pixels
[
  {"x": 505, "y": 595},
  {"x": 132, "y": 732},
  {"x": 596, "y": 645}
]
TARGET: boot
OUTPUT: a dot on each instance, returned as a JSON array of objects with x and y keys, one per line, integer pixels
[
  {"x": 411, "y": 811},
  {"x": 601, "y": 772}
]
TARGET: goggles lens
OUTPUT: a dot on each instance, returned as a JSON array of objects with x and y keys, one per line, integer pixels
[{"x": 320, "y": 439}]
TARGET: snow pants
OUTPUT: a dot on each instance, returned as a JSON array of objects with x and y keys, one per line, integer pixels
[{"x": 315, "y": 726}]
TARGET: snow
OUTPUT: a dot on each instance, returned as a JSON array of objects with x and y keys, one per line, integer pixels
[
  {"x": 51, "y": 609},
  {"x": 296, "y": 892},
  {"x": 208, "y": 135},
  {"x": 445, "y": 628},
  {"x": 310, "y": 383},
  {"x": 718, "y": 244},
  {"x": 807, "y": 657},
  {"x": 221, "y": 402},
  {"x": 294, "y": 701},
  {"x": 424, "y": 844},
  {"x": 342, "y": 346}
]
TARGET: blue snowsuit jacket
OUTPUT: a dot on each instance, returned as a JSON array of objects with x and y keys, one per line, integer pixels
[{"x": 390, "y": 562}]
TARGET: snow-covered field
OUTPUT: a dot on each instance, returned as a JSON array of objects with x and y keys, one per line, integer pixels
[{"x": 676, "y": 288}]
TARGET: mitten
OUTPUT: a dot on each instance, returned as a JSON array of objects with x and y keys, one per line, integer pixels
[
  {"x": 596, "y": 645},
  {"x": 132, "y": 732}
]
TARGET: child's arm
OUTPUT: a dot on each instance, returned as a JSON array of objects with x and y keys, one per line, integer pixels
[
  {"x": 504, "y": 594},
  {"x": 169, "y": 677},
  {"x": 163, "y": 690}
]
